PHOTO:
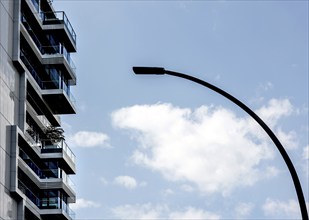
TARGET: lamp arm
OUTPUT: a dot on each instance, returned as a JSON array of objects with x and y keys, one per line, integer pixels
[{"x": 270, "y": 133}]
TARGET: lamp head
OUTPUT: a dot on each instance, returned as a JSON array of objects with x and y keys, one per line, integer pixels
[{"x": 149, "y": 70}]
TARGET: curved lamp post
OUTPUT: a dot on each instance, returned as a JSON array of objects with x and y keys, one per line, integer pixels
[{"x": 286, "y": 158}]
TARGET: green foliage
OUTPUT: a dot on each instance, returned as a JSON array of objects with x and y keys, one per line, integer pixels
[{"x": 54, "y": 134}]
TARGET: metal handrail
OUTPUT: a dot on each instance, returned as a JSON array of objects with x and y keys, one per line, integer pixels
[
  {"x": 24, "y": 156},
  {"x": 36, "y": 5},
  {"x": 43, "y": 84},
  {"x": 57, "y": 49},
  {"x": 29, "y": 193},
  {"x": 31, "y": 69},
  {"x": 59, "y": 84},
  {"x": 39, "y": 202},
  {"x": 44, "y": 173},
  {"x": 47, "y": 144},
  {"x": 58, "y": 17}
]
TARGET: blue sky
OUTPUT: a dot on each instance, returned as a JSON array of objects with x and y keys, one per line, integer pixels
[{"x": 153, "y": 147}]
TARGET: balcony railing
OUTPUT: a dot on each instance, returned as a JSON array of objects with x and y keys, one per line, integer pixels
[
  {"x": 59, "y": 49},
  {"x": 43, "y": 120},
  {"x": 59, "y": 84},
  {"x": 49, "y": 50},
  {"x": 49, "y": 147},
  {"x": 57, "y": 203},
  {"x": 36, "y": 5},
  {"x": 66, "y": 178},
  {"x": 52, "y": 84},
  {"x": 30, "y": 31},
  {"x": 67, "y": 209},
  {"x": 30, "y": 163},
  {"x": 32, "y": 137},
  {"x": 31, "y": 69},
  {"x": 29, "y": 193},
  {"x": 46, "y": 173},
  {"x": 41, "y": 173},
  {"x": 31, "y": 141},
  {"x": 58, "y": 17},
  {"x": 46, "y": 203}
]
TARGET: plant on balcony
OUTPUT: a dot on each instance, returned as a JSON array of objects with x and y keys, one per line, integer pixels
[
  {"x": 54, "y": 134},
  {"x": 31, "y": 132}
]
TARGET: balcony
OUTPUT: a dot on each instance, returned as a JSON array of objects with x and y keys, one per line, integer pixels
[
  {"x": 48, "y": 150},
  {"x": 59, "y": 150},
  {"x": 55, "y": 92},
  {"x": 31, "y": 69},
  {"x": 59, "y": 23},
  {"x": 36, "y": 5},
  {"x": 52, "y": 52},
  {"x": 56, "y": 55},
  {"x": 41, "y": 120},
  {"x": 49, "y": 147},
  {"x": 30, "y": 195},
  {"x": 59, "y": 99},
  {"x": 56, "y": 208},
  {"x": 49, "y": 208},
  {"x": 52, "y": 178},
  {"x": 39, "y": 106},
  {"x": 30, "y": 163},
  {"x": 55, "y": 173},
  {"x": 32, "y": 137}
]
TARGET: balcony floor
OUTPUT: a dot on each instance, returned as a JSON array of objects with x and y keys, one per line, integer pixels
[{"x": 58, "y": 101}]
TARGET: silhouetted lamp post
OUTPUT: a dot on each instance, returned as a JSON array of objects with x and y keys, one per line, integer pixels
[{"x": 286, "y": 158}]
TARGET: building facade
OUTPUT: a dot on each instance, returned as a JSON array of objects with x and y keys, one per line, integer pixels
[{"x": 36, "y": 74}]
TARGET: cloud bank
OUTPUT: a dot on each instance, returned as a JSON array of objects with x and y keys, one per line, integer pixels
[
  {"x": 282, "y": 209},
  {"x": 84, "y": 203},
  {"x": 306, "y": 153},
  {"x": 88, "y": 139},
  {"x": 209, "y": 148},
  {"x": 126, "y": 181},
  {"x": 150, "y": 211}
]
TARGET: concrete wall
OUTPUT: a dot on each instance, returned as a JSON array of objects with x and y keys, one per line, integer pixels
[{"x": 9, "y": 107}]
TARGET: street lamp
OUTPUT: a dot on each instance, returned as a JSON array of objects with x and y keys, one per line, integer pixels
[{"x": 285, "y": 156}]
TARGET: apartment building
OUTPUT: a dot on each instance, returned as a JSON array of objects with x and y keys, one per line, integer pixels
[{"x": 36, "y": 74}]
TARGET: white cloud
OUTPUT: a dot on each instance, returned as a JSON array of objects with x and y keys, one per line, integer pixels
[
  {"x": 267, "y": 86},
  {"x": 66, "y": 127},
  {"x": 187, "y": 188},
  {"x": 193, "y": 213},
  {"x": 260, "y": 90},
  {"x": 143, "y": 211},
  {"x": 126, "y": 181},
  {"x": 243, "y": 209},
  {"x": 306, "y": 153},
  {"x": 288, "y": 140},
  {"x": 150, "y": 211},
  {"x": 82, "y": 106},
  {"x": 271, "y": 113},
  {"x": 83, "y": 203},
  {"x": 143, "y": 183},
  {"x": 103, "y": 181},
  {"x": 275, "y": 109},
  {"x": 271, "y": 171},
  {"x": 88, "y": 139},
  {"x": 305, "y": 157},
  {"x": 183, "y": 144},
  {"x": 264, "y": 87},
  {"x": 281, "y": 209},
  {"x": 168, "y": 192}
]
